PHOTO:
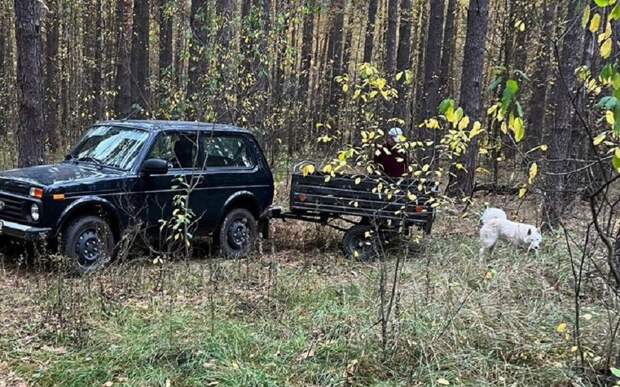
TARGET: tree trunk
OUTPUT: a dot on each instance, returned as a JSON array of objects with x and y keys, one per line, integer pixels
[
  {"x": 373, "y": 6},
  {"x": 97, "y": 73},
  {"x": 430, "y": 97},
  {"x": 197, "y": 58},
  {"x": 51, "y": 75},
  {"x": 335, "y": 54},
  {"x": 559, "y": 135},
  {"x": 445, "y": 79},
  {"x": 31, "y": 129},
  {"x": 403, "y": 61},
  {"x": 391, "y": 43},
  {"x": 225, "y": 9},
  {"x": 306, "y": 48},
  {"x": 165, "y": 39},
  {"x": 122, "y": 103},
  {"x": 538, "y": 100},
  {"x": 471, "y": 92},
  {"x": 140, "y": 55}
]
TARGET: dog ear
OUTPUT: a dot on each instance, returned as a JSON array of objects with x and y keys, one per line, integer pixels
[{"x": 529, "y": 231}]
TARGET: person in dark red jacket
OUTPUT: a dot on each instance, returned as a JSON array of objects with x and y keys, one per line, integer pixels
[{"x": 396, "y": 163}]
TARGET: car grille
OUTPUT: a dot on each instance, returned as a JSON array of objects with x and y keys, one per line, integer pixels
[{"x": 13, "y": 208}]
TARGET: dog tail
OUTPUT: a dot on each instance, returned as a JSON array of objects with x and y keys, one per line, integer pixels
[{"x": 492, "y": 213}]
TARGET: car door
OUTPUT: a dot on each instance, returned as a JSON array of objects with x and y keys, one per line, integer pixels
[
  {"x": 180, "y": 150},
  {"x": 230, "y": 165}
]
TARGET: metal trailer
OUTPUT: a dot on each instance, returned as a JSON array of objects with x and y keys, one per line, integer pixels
[{"x": 371, "y": 213}]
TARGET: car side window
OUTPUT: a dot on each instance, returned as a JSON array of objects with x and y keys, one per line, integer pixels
[
  {"x": 225, "y": 151},
  {"x": 180, "y": 150}
]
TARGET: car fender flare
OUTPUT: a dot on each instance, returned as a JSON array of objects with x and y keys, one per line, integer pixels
[
  {"x": 248, "y": 198},
  {"x": 84, "y": 202}
]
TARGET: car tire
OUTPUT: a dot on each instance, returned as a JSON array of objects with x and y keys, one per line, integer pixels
[
  {"x": 237, "y": 233},
  {"x": 358, "y": 245},
  {"x": 88, "y": 243}
]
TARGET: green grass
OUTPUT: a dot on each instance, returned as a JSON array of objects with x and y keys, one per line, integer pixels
[{"x": 302, "y": 318}]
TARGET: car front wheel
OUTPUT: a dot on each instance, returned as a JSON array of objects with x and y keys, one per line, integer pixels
[
  {"x": 238, "y": 233},
  {"x": 88, "y": 243}
]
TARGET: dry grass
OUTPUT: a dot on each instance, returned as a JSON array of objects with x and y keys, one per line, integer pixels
[{"x": 301, "y": 314}]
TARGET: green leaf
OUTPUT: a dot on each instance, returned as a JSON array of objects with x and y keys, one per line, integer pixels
[
  {"x": 519, "y": 109},
  {"x": 445, "y": 105},
  {"x": 496, "y": 82},
  {"x": 615, "y": 161},
  {"x": 617, "y": 120},
  {"x": 615, "y": 372},
  {"x": 615, "y": 13},
  {"x": 602, "y": 3},
  {"x": 512, "y": 86},
  {"x": 607, "y": 103}
]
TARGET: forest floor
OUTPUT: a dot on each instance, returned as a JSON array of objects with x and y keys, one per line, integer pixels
[{"x": 301, "y": 314}]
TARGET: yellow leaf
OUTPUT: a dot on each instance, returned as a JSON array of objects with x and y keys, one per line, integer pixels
[
  {"x": 443, "y": 382},
  {"x": 475, "y": 130},
  {"x": 599, "y": 139},
  {"x": 606, "y": 48},
  {"x": 561, "y": 328},
  {"x": 358, "y": 180},
  {"x": 533, "y": 173},
  {"x": 586, "y": 17},
  {"x": 345, "y": 87},
  {"x": 308, "y": 169},
  {"x": 328, "y": 168},
  {"x": 432, "y": 124},
  {"x": 609, "y": 117},
  {"x": 519, "y": 129},
  {"x": 544, "y": 147},
  {"x": 522, "y": 193},
  {"x": 595, "y": 23},
  {"x": 464, "y": 123}
]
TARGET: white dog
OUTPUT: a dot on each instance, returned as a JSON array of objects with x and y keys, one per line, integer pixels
[{"x": 495, "y": 225}]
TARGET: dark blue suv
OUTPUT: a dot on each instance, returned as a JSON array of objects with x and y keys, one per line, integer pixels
[{"x": 131, "y": 172}]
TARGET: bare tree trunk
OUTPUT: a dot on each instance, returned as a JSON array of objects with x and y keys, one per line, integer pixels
[
  {"x": 430, "y": 97},
  {"x": 197, "y": 58},
  {"x": 122, "y": 103},
  {"x": 98, "y": 70},
  {"x": 225, "y": 8},
  {"x": 445, "y": 80},
  {"x": 538, "y": 100},
  {"x": 140, "y": 55},
  {"x": 559, "y": 138},
  {"x": 31, "y": 128},
  {"x": 165, "y": 39},
  {"x": 403, "y": 59},
  {"x": 52, "y": 74},
  {"x": 335, "y": 53},
  {"x": 306, "y": 48},
  {"x": 373, "y": 6},
  {"x": 471, "y": 92},
  {"x": 391, "y": 43}
]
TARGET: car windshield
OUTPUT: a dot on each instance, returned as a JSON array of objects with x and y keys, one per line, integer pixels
[{"x": 111, "y": 146}]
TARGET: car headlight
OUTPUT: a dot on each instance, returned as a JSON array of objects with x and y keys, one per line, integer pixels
[{"x": 34, "y": 212}]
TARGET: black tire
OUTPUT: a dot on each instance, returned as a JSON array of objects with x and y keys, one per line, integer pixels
[
  {"x": 360, "y": 243},
  {"x": 88, "y": 243},
  {"x": 237, "y": 233}
]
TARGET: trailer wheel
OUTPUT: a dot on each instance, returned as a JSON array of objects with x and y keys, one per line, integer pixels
[{"x": 360, "y": 243}]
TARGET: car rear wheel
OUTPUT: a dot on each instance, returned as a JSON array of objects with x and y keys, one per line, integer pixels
[
  {"x": 88, "y": 243},
  {"x": 237, "y": 233}
]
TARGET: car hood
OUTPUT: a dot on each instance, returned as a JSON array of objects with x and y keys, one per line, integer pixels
[{"x": 47, "y": 175}]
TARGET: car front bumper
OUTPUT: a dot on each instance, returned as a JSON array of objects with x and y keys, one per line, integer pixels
[{"x": 22, "y": 231}]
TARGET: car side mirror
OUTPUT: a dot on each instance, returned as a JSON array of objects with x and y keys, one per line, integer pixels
[{"x": 154, "y": 167}]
